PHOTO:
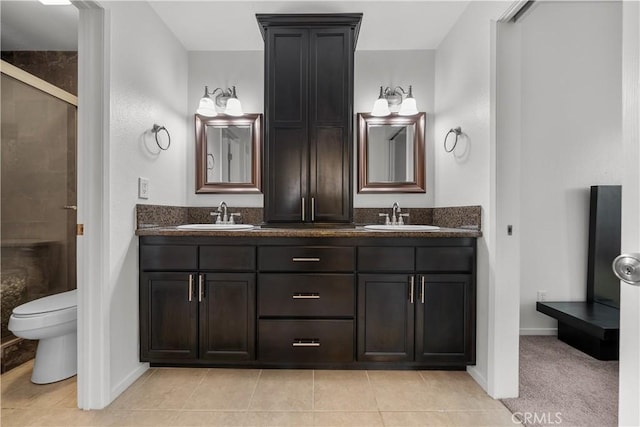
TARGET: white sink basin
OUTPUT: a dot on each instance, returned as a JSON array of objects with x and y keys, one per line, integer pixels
[
  {"x": 207, "y": 227},
  {"x": 404, "y": 227}
]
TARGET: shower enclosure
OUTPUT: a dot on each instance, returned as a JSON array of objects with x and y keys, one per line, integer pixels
[{"x": 38, "y": 198}]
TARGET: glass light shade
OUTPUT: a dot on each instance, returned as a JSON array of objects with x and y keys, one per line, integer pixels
[
  {"x": 207, "y": 107},
  {"x": 234, "y": 108},
  {"x": 408, "y": 107},
  {"x": 380, "y": 108}
]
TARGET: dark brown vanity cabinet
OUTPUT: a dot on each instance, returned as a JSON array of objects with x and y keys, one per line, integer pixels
[
  {"x": 202, "y": 310},
  {"x": 308, "y": 116},
  {"x": 416, "y": 305}
]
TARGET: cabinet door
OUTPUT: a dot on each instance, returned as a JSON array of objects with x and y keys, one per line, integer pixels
[
  {"x": 444, "y": 318},
  {"x": 168, "y": 317},
  {"x": 330, "y": 123},
  {"x": 227, "y": 316},
  {"x": 385, "y": 317},
  {"x": 286, "y": 162}
]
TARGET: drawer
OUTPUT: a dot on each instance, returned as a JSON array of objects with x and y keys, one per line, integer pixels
[
  {"x": 169, "y": 257},
  {"x": 384, "y": 258},
  {"x": 228, "y": 258},
  {"x": 306, "y": 295},
  {"x": 444, "y": 259},
  {"x": 305, "y": 340},
  {"x": 306, "y": 258}
]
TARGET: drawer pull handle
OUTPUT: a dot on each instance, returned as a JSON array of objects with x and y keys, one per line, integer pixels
[
  {"x": 190, "y": 287},
  {"x": 422, "y": 289},
  {"x": 200, "y": 277},
  {"x": 306, "y": 296},
  {"x": 306, "y": 343},
  {"x": 306, "y": 259}
]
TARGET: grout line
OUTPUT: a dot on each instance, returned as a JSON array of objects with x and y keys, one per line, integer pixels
[
  {"x": 206, "y": 372},
  {"x": 255, "y": 387},
  {"x": 313, "y": 390}
]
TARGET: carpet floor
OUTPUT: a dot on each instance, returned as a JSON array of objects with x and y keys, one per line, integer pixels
[{"x": 560, "y": 385}]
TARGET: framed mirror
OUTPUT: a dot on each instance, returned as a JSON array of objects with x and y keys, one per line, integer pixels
[
  {"x": 228, "y": 154},
  {"x": 391, "y": 153}
]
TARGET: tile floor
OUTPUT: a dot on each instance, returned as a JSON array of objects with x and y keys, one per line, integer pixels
[{"x": 246, "y": 397}]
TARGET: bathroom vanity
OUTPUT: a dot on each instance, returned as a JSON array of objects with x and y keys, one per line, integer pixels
[{"x": 317, "y": 298}]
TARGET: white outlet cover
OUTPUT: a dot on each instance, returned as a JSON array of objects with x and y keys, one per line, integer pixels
[{"x": 143, "y": 188}]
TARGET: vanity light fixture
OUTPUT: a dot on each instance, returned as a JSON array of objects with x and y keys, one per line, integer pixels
[
  {"x": 390, "y": 96},
  {"x": 226, "y": 99}
]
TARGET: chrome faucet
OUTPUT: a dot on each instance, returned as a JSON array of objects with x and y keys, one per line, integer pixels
[
  {"x": 395, "y": 213},
  {"x": 223, "y": 210}
]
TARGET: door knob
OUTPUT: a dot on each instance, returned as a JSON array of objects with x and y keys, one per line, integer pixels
[{"x": 627, "y": 268}]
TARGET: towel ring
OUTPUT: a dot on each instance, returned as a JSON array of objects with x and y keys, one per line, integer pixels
[
  {"x": 156, "y": 129},
  {"x": 457, "y": 131}
]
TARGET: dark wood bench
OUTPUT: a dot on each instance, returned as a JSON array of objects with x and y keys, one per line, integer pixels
[{"x": 591, "y": 327}]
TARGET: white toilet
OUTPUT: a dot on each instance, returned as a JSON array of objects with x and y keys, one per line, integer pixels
[{"x": 53, "y": 321}]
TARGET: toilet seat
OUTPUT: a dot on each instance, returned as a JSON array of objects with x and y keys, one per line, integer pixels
[
  {"x": 44, "y": 312},
  {"x": 57, "y": 302}
]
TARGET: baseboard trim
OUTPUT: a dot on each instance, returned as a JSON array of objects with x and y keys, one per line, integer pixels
[
  {"x": 478, "y": 377},
  {"x": 538, "y": 331},
  {"x": 128, "y": 380}
]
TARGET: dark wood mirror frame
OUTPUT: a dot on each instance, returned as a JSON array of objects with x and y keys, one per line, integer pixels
[
  {"x": 416, "y": 186},
  {"x": 202, "y": 186}
]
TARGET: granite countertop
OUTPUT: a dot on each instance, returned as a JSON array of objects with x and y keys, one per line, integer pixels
[{"x": 271, "y": 231}]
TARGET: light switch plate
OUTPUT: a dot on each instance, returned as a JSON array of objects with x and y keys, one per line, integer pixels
[{"x": 143, "y": 188}]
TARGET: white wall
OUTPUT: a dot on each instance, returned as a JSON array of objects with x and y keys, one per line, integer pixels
[
  {"x": 375, "y": 68},
  {"x": 571, "y": 139},
  {"x": 147, "y": 85},
  {"x": 372, "y": 69},
  {"x": 463, "y": 90}
]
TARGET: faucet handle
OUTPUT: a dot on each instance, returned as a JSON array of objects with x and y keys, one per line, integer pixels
[
  {"x": 216, "y": 214},
  {"x": 401, "y": 218},
  {"x": 231, "y": 219},
  {"x": 386, "y": 218}
]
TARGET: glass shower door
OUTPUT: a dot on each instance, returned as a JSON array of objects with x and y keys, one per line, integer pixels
[{"x": 38, "y": 194}]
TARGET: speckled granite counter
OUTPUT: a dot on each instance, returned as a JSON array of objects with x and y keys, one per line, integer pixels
[{"x": 306, "y": 232}]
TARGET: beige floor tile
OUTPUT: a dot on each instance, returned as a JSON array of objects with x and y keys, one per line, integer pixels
[
  {"x": 347, "y": 419},
  {"x": 400, "y": 391},
  {"x": 18, "y": 417},
  {"x": 283, "y": 390},
  {"x": 136, "y": 418},
  {"x": 278, "y": 419},
  {"x": 343, "y": 391},
  {"x": 415, "y": 419},
  {"x": 224, "y": 389},
  {"x": 210, "y": 419},
  {"x": 163, "y": 389},
  {"x": 61, "y": 417},
  {"x": 494, "y": 418},
  {"x": 19, "y": 392}
]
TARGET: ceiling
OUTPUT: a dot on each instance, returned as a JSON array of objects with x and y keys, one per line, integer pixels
[{"x": 231, "y": 25}]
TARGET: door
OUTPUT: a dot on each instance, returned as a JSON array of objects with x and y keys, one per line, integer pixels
[
  {"x": 444, "y": 330},
  {"x": 385, "y": 317},
  {"x": 286, "y": 162},
  {"x": 168, "y": 317},
  {"x": 38, "y": 178},
  {"x": 330, "y": 120},
  {"x": 227, "y": 316},
  {"x": 628, "y": 408}
]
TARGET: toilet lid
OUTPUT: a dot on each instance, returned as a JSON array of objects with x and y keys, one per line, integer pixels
[{"x": 48, "y": 304}]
